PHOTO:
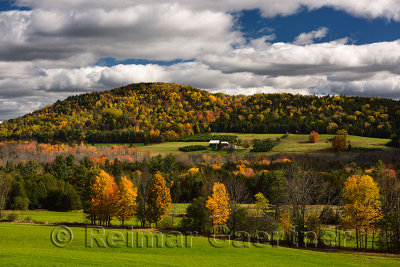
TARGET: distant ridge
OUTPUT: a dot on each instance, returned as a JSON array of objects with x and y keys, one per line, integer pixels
[{"x": 159, "y": 112}]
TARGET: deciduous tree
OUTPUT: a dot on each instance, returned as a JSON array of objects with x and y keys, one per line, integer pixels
[
  {"x": 340, "y": 140},
  {"x": 314, "y": 137},
  {"x": 363, "y": 208},
  {"x": 218, "y": 205},
  {"x": 126, "y": 203},
  {"x": 104, "y": 198},
  {"x": 262, "y": 203},
  {"x": 158, "y": 199},
  {"x": 302, "y": 185},
  {"x": 5, "y": 184}
]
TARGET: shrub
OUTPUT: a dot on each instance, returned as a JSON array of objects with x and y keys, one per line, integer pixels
[
  {"x": 314, "y": 137},
  {"x": 12, "y": 217},
  {"x": 166, "y": 223},
  {"x": 246, "y": 144},
  {"x": 329, "y": 216},
  {"x": 20, "y": 203},
  {"x": 192, "y": 148},
  {"x": 262, "y": 145},
  {"x": 255, "y": 225},
  {"x": 28, "y": 219},
  {"x": 238, "y": 219},
  {"x": 197, "y": 217},
  {"x": 395, "y": 141}
]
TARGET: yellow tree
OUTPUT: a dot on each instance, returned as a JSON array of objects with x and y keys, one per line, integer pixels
[
  {"x": 363, "y": 208},
  {"x": 285, "y": 223},
  {"x": 126, "y": 203},
  {"x": 104, "y": 198},
  {"x": 158, "y": 200},
  {"x": 218, "y": 205},
  {"x": 262, "y": 203}
]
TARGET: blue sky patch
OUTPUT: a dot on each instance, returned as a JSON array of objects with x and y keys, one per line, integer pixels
[
  {"x": 109, "y": 62},
  {"x": 339, "y": 23},
  {"x": 9, "y": 5}
]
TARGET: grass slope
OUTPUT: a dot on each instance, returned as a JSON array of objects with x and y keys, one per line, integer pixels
[
  {"x": 295, "y": 143},
  {"x": 44, "y": 216},
  {"x": 30, "y": 245}
]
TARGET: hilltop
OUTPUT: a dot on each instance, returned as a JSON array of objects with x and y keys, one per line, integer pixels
[{"x": 159, "y": 112}]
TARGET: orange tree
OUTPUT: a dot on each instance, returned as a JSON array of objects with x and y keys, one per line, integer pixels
[
  {"x": 218, "y": 205},
  {"x": 126, "y": 203},
  {"x": 340, "y": 140},
  {"x": 314, "y": 137},
  {"x": 104, "y": 198},
  {"x": 158, "y": 200},
  {"x": 363, "y": 208}
]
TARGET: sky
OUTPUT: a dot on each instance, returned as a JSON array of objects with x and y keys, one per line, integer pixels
[{"x": 53, "y": 49}]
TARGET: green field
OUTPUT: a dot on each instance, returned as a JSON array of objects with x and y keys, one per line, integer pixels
[
  {"x": 294, "y": 144},
  {"x": 30, "y": 245},
  {"x": 78, "y": 217}
]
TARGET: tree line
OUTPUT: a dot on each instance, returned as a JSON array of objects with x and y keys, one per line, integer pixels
[{"x": 284, "y": 192}]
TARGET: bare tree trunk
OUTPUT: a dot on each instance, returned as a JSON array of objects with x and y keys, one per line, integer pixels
[
  {"x": 357, "y": 237},
  {"x": 238, "y": 194},
  {"x": 173, "y": 214},
  {"x": 302, "y": 186},
  {"x": 373, "y": 239},
  {"x": 5, "y": 183}
]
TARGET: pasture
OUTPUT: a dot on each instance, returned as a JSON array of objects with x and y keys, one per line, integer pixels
[
  {"x": 293, "y": 144},
  {"x": 44, "y": 217},
  {"x": 30, "y": 245},
  {"x": 78, "y": 217}
]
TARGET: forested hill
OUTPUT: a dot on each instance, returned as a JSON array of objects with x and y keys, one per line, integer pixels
[{"x": 158, "y": 112}]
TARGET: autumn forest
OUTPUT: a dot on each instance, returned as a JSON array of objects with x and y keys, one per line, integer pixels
[{"x": 161, "y": 112}]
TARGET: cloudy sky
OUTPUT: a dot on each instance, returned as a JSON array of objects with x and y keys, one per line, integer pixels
[{"x": 52, "y": 49}]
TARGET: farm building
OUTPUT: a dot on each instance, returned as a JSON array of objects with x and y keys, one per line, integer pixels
[
  {"x": 220, "y": 144},
  {"x": 214, "y": 143},
  {"x": 224, "y": 144}
]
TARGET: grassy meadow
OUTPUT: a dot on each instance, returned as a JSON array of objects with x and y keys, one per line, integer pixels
[
  {"x": 78, "y": 217},
  {"x": 293, "y": 144},
  {"x": 44, "y": 217},
  {"x": 30, "y": 245}
]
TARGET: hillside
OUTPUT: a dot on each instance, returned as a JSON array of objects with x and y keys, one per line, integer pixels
[{"x": 159, "y": 112}]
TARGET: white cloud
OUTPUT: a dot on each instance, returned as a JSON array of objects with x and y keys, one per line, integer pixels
[
  {"x": 389, "y": 9},
  {"x": 309, "y": 37},
  {"x": 48, "y": 53},
  {"x": 291, "y": 60},
  {"x": 159, "y": 32}
]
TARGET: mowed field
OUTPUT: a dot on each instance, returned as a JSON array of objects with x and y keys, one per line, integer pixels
[
  {"x": 30, "y": 245},
  {"x": 78, "y": 217},
  {"x": 295, "y": 143}
]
